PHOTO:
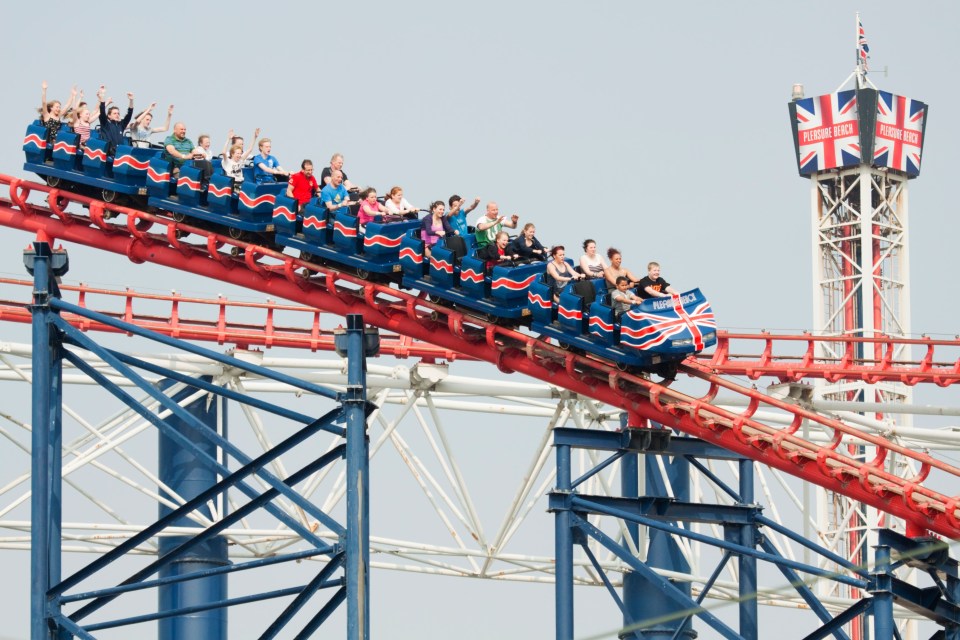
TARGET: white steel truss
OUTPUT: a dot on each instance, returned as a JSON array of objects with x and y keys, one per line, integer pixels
[
  {"x": 861, "y": 287},
  {"x": 462, "y": 466}
]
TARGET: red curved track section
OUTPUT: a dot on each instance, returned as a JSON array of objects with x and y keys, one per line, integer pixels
[
  {"x": 791, "y": 358},
  {"x": 183, "y": 317},
  {"x": 146, "y": 237}
]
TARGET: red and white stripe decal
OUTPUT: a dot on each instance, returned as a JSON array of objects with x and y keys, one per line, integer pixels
[
  {"x": 253, "y": 203},
  {"x": 538, "y": 300},
  {"x": 380, "y": 240},
  {"x": 189, "y": 183},
  {"x": 285, "y": 213},
  {"x": 441, "y": 265},
  {"x": 130, "y": 161},
  {"x": 348, "y": 232},
  {"x": 513, "y": 285},
  {"x": 570, "y": 314},
  {"x": 411, "y": 254},
  {"x": 469, "y": 275},
  {"x": 596, "y": 321},
  {"x": 35, "y": 140},
  {"x": 99, "y": 155},
  {"x": 66, "y": 147},
  {"x": 153, "y": 175},
  {"x": 313, "y": 222},
  {"x": 219, "y": 192}
]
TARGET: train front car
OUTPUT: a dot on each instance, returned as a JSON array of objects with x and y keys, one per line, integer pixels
[{"x": 677, "y": 325}]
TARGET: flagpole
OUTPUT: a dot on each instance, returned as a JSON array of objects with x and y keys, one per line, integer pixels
[{"x": 856, "y": 50}]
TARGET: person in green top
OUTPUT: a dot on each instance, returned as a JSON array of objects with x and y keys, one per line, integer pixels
[
  {"x": 177, "y": 149},
  {"x": 491, "y": 223}
]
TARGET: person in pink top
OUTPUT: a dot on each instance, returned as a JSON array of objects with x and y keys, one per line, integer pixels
[
  {"x": 435, "y": 226},
  {"x": 369, "y": 208}
]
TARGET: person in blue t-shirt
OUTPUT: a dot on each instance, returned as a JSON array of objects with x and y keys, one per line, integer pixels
[
  {"x": 334, "y": 196},
  {"x": 266, "y": 168},
  {"x": 458, "y": 213}
]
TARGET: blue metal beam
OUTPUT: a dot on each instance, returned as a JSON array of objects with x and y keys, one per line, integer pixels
[
  {"x": 182, "y": 475},
  {"x": 298, "y": 603},
  {"x": 43, "y": 546},
  {"x": 229, "y": 394},
  {"x": 579, "y": 503},
  {"x": 856, "y": 609},
  {"x": 357, "y": 535},
  {"x": 231, "y": 479},
  {"x": 180, "y": 345},
  {"x": 628, "y": 621},
  {"x": 603, "y": 464},
  {"x": 178, "y": 411},
  {"x": 196, "y": 439},
  {"x": 776, "y": 526},
  {"x": 803, "y": 590},
  {"x": 213, "y": 529},
  {"x": 322, "y": 615},
  {"x": 563, "y": 542},
  {"x": 233, "y": 568},
  {"x": 685, "y": 604},
  {"x": 230, "y": 602},
  {"x": 667, "y": 509}
]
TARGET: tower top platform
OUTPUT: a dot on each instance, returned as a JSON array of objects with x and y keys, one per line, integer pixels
[
  {"x": 858, "y": 127},
  {"x": 863, "y": 126}
]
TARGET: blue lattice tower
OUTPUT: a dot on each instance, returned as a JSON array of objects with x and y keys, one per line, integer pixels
[{"x": 200, "y": 465}]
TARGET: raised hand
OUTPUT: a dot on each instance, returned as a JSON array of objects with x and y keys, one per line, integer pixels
[
  {"x": 43, "y": 85},
  {"x": 129, "y": 96}
]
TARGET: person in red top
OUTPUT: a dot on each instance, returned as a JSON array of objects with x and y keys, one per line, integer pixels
[
  {"x": 302, "y": 185},
  {"x": 496, "y": 252}
]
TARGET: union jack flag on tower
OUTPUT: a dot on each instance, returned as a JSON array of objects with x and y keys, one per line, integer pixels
[
  {"x": 899, "y": 135},
  {"x": 862, "y": 47},
  {"x": 828, "y": 133}
]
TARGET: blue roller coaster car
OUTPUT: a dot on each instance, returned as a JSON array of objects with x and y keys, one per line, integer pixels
[{"x": 652, "y": 336}]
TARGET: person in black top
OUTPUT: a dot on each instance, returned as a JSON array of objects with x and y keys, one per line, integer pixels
[
  {"x": 527, "y": 246},
  {"x": 497, "y": 252},
  {"x": 336, "y": 164},
  {"x": 652, "y": 285},
  {"x": 111, "y": 125}
]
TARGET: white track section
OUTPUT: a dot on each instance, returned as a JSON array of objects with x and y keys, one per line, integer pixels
[
  {"x": 861, "y": 287},
  {"x": 460, "y": 467}
]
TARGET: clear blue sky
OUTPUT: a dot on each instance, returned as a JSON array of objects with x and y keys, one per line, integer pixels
[{"x": 660, "y": 128}]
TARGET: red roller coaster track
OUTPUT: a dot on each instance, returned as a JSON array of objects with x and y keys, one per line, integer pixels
[{"x": 144, "y": 237}]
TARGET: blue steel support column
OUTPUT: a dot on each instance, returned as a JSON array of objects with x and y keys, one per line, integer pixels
[
  {"x": 643, "y": 600},
  {"x": 358, "y": 492},
  {"x": 952, "y": 595},
  {"x": 184, "y": 474},
  {"x": 630, "y": 488},
  {"x": 563, "y": 541},
  {"x": 56, "y": 459},
  {"x": 749, "y": 615},
  {"x": 882, "y": 592},
  {"x": 43, "y": 546}
]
